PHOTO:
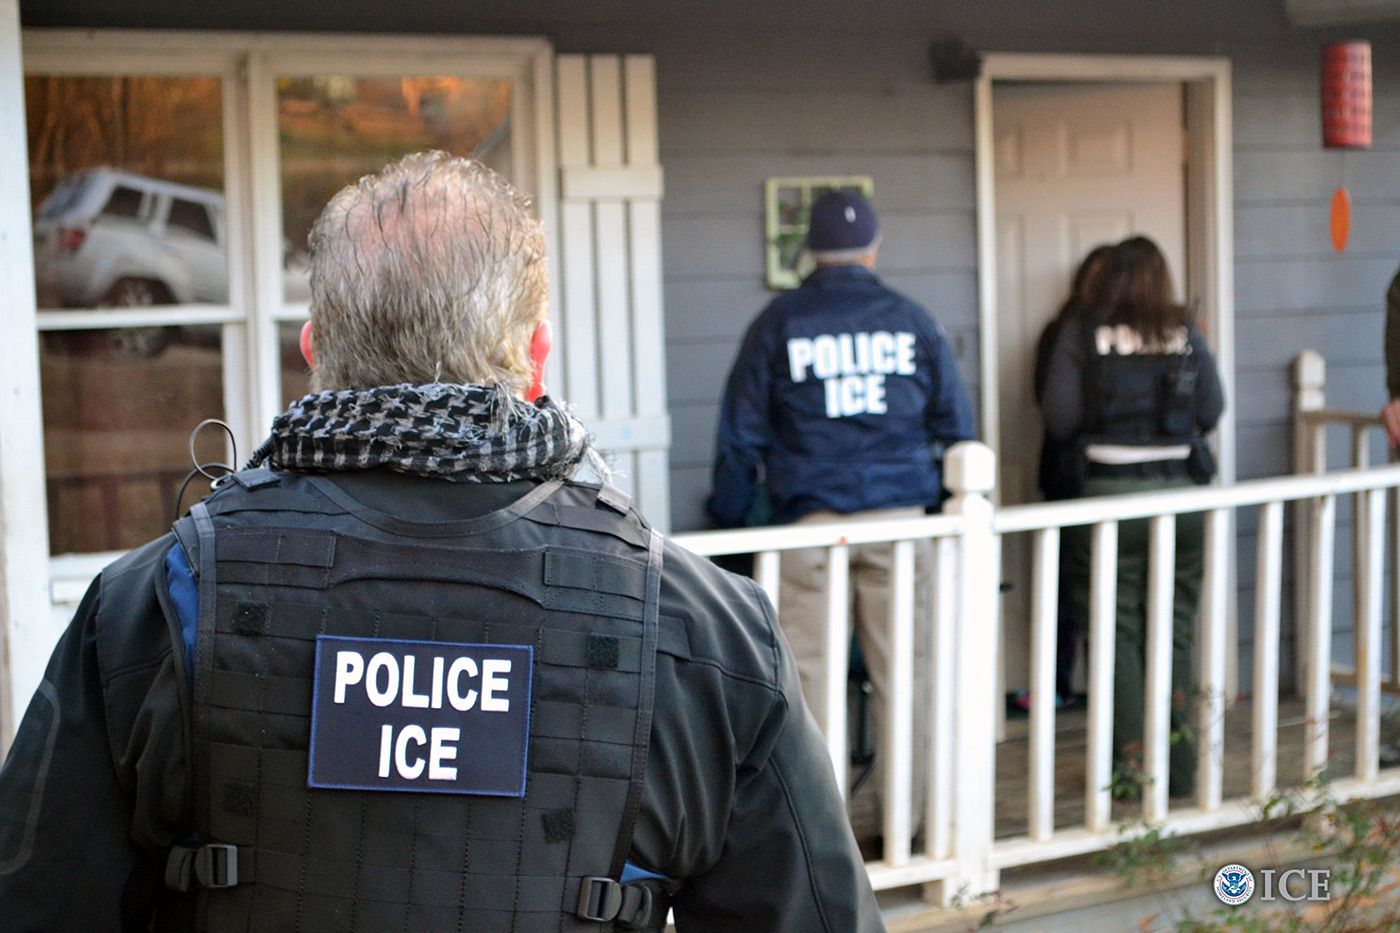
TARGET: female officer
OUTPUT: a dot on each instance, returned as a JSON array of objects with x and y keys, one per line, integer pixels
[{"x": 1132, "y": 385}]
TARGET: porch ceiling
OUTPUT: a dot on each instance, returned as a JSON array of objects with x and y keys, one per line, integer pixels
[{"x": 1341, "y": 12}]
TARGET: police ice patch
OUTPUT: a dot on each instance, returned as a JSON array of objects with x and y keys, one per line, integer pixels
[{"x": 424, "y": 716}]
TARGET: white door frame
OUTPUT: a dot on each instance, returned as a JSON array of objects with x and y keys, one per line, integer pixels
[{"x": 1210, "y": 196}]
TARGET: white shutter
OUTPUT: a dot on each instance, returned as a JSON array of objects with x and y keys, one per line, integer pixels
[{"x": 611, "y": 349}]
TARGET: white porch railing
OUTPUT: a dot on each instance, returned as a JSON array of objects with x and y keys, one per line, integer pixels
[
  {"x": 961, "y": 854},
  {"x": 1364, "y": 433}
]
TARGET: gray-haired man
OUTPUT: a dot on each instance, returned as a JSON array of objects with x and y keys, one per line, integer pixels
[{"x": 405, "y": 671}]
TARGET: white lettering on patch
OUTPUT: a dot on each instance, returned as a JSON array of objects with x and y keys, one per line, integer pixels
[
  {"x": 852, "y": 368},
  {"x": 1122, "y": 340}
]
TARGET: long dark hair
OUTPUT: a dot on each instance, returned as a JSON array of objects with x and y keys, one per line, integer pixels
[
  {"x": 1141, "y": 296},
  {"x": 1087, "y": 288}
]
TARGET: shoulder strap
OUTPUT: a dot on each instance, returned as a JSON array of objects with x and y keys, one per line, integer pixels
[
  {"x": 642, "y": 736},
  {"x": 203, "y": 662},
  {"x": 634, "y": 904}
]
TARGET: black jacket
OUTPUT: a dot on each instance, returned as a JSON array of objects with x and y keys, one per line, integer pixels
[
  {"x": 1055, "y": 471},
  {"x": 740, "y": 804}
]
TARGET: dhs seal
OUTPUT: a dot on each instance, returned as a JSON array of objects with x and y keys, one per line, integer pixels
[{"x": 1234, "y": 884}]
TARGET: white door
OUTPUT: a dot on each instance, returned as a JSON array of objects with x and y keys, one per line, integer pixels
[{"x": 1077, "y": 165}]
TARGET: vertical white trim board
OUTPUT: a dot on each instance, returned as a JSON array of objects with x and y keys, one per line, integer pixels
[
  {"x": 610, "y": 296},
  {"x": 24, "y": 536}
]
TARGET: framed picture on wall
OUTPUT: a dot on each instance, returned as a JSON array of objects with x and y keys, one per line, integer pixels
[{"x": 787, "y": 202}]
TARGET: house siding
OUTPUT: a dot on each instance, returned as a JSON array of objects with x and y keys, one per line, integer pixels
[{"x": 748, "y": 91}]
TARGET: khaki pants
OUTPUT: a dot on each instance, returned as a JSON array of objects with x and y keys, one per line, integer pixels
[{"x": 802, "y": 612}]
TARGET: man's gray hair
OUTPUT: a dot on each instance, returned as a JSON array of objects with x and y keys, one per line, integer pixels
[
  {"x": 432, "y": 270},
  {"x": 844, "y": 256}
]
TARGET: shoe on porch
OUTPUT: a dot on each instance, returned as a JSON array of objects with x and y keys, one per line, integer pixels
[{"x": 1021, "y": 700}]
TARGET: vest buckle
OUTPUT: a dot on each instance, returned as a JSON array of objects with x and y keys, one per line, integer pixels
[
  {"x": 599, "y": 899},
  {"x": 216, "y": 865},
  {"x": 604, "y": 899},
  {"x": 209, "y": 866}
]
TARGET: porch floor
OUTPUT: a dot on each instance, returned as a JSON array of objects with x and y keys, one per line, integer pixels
[{"x": 1071, "y": 740}]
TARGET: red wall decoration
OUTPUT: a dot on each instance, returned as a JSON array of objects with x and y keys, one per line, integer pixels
[{"x": 1346, "y": 95}]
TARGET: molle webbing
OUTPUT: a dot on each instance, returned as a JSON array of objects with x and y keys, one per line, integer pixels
[{"x": 572, "y": 577}]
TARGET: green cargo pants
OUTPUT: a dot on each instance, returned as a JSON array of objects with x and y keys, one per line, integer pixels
[{"x": 1130, "y": 631}]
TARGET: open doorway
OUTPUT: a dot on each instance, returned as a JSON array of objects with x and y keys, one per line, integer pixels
[{"x": 1074, "y": 151}]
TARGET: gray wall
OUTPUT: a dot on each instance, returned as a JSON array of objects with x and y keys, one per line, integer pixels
[{"x": 750, "y": 90}]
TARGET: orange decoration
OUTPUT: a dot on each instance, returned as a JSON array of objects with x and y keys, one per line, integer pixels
[{"x": 1341, "y": 219}]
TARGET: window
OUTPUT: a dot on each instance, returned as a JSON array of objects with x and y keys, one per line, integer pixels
[
  {"x": 62, "y": 198},
  {"x": 203, "y": 317},
  {"x": 121, "y": 387},
  {"x": 118, "y": 405},
  {"x": 123, "y": 202},
  {"x": 187, "y": 215},
  {"x": 101, "y": 145}
]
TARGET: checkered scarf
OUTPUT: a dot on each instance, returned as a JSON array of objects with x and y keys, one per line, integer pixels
[{"x": 463, "y": 433}]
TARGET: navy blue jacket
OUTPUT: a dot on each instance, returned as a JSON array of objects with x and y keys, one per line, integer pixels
[{"x": 844, "y": 392}]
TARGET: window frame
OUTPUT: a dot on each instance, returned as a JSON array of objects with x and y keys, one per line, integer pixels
[{"x": 247, "y": 66}]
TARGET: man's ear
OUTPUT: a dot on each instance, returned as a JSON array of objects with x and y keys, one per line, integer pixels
[
  {"x": 306, "y": 351},
  {"x": 541, "y": 342}
]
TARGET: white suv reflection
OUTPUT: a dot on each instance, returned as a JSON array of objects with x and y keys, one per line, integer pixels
[{"x": 110, "y": 238}]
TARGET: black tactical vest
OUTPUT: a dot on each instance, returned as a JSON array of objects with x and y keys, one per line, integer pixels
[
  {"x": 1138, "y": 398},
  {"x": 482, "y": 698}
]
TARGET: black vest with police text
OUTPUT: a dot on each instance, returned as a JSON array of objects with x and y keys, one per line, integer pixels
[
  {"x": 403, "y": 726},
  {"x": 1137, "y": 393}
]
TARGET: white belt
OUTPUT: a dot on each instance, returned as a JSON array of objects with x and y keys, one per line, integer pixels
[{"x": 1119, "y": 454}]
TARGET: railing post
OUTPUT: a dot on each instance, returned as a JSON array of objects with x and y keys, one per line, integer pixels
[
  {"x": 1309, "y": 394},
  {"x": 970, "y": 473}
]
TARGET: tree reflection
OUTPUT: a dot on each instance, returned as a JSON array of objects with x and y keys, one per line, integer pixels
[
  {"x": 335, "y": 128},
  {"x": 164, "y": 127}
]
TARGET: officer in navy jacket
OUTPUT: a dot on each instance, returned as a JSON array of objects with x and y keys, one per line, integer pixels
[
  {"x": 843, "y": 397},
  {"x": 844, "y": 391},
  {"x": 415, "y": 667}
]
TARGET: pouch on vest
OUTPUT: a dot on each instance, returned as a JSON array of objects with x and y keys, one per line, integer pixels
[{"x": 1178, "y": 405}]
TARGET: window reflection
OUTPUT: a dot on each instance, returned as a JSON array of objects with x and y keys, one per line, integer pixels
[
  {"x": 126, "y": 176},
  {"x": 336, "y": 128},
  {"x": 119, "y": 406}
]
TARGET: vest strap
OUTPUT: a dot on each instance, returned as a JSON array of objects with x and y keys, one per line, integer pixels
[
  {"x": 614, "y": 498},
  {"x": 259, "y": 478},
  {"x": 203, "y": 658}
]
